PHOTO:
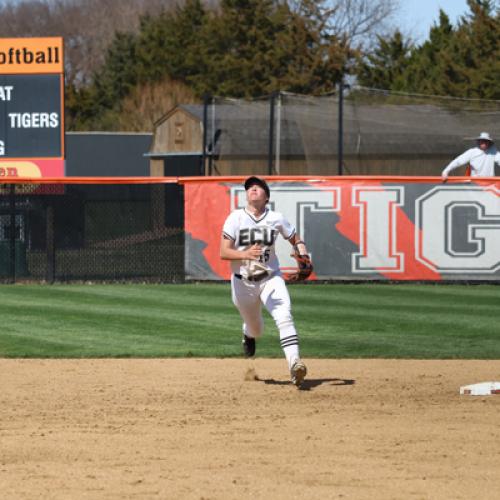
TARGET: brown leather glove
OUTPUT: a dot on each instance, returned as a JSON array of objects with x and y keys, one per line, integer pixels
[{"x": 304, "y": 268}]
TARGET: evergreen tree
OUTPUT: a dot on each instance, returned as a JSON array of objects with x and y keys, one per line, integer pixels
[
  {"x": 244, "y": 48},
  {"x": 462, "y": 62},
  {"x": 317, "y": 57},
  {"x": 85, "y": 106},
  {"x": 119, "y": 75},
  {"x": 238, "y": 48},
  {"x": 384, "y": 66},
  {"x": 168, "y": 44},
  {"x": 477, "y": 45},
  {"x": 432, "y": 66},
  {"x": 255, "y": 47},
  {"x": 160, "y": 49}
]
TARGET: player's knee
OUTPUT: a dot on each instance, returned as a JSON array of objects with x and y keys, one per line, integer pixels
[{"x": 254, "y": 329}]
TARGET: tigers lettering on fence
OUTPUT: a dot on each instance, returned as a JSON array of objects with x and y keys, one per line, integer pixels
[{"x": 361, "y": 229}]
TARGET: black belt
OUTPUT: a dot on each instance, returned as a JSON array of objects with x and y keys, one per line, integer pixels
[{"x": 258, "y": 277}]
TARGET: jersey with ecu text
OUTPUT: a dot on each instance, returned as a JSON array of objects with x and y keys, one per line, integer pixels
[{"x": 245, "y": 230}]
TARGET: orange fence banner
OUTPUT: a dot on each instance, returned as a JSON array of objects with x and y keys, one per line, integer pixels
[{"x": 361, "y": 229}]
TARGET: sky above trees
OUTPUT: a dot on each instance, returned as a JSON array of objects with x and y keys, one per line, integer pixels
[{"x": 416, "y": 17}]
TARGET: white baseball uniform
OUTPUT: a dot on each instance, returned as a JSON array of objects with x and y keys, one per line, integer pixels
[{"x": 254, "y": 283}]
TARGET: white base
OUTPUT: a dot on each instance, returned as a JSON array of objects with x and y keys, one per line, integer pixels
[{"x": 482, "y": 389}]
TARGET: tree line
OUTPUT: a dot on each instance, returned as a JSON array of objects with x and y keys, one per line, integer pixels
[
  {"x": 130, "y": 61},
  {"x": 461, "y": 61}
]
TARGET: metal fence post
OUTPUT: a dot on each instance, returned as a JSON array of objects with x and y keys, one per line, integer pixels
[
  {"x": 271, "y": 135},
  {"x": 12, "y": 236},
  {"x": 51, "y": 251},
  {"x": 277, "y": 164},
  {"x": 211, "y": 145},
  {"x": 205, "y": 132},
  {"x": 341, "y": 127}
]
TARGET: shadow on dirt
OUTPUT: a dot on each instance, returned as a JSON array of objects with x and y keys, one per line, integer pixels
[{"x": 310, "y": 383}]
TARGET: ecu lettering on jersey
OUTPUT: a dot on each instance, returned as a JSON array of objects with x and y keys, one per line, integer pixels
[
  {"x": 245, "y": 230},
  {"x": 261, "y": 235}
]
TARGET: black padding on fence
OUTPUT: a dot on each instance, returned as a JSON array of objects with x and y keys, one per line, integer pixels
[{"x": 79, "y": 232}]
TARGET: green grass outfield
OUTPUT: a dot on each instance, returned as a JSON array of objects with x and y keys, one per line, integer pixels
[{"x": 333, "y": 320}]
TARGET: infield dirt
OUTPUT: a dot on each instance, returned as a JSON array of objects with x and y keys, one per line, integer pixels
[{"x": 208, "y": 429}]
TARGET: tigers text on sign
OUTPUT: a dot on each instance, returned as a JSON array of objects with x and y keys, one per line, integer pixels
[{"x": 34, "y": 120}]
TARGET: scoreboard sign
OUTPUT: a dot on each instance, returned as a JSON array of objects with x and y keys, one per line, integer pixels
[{"x": 31, "y": 107}]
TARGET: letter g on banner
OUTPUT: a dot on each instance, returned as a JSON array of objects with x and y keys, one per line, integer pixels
[{"x": 439, "y": 228}]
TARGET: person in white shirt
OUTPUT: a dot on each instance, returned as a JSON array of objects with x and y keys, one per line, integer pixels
[
  {"x": 481, "y": 159},
  {"x": 248, "y": 239}
]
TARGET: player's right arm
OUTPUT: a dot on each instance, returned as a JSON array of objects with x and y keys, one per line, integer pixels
[
  {"x": 459, "y": 161},
  {"x": 229, "y": 252},
  {"x": 230, "y": 231}
]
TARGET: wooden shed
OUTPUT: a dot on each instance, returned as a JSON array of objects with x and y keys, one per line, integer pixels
[{"x": 178, "y": 133}]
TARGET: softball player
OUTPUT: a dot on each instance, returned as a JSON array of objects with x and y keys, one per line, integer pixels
[{"x": 248, "y": 240}]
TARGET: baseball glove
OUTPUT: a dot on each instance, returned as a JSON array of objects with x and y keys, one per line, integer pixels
[{"x": 304, "y": 267}]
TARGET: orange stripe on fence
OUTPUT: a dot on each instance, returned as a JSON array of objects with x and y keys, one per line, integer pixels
[
  {"x": 337, "y": 178},
  {"x": 88, "y": 180},
  {"x": 240, "y": 178}
]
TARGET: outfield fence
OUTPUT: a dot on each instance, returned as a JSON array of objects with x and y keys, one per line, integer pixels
[
  {"x": 91, "y": 230},
  {"x": 168, "y": 229}
]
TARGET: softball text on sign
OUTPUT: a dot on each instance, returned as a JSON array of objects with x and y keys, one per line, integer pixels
[
  {"x": 31, "y": 107},
  {"x": 362, "y": 230}
]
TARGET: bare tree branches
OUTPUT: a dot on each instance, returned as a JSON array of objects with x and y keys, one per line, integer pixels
[
  {"x": 355, "y": 21},
  {"x": 88, "y": 26},
  {"x": 360, "y": 20}
]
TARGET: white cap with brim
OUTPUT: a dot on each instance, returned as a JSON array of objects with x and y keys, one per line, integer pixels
[{"x": 484, "y": 136}]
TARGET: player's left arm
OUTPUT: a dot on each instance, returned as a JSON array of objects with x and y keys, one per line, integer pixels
[
  {"x": 298, "y": 244},
  {"x": 301, "y": 255}
]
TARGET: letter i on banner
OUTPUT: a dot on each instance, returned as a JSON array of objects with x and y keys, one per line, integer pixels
[{"x": 378, "y": 229}]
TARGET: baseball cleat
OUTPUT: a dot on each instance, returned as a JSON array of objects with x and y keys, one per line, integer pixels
[
  {"x": 298, "y": 372},
  {"x": 248, "y": 346}
]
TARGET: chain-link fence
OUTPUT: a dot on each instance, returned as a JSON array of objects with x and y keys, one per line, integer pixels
[
  {"x": 386, "y": 131},
  {"x": 239, "y": 134},
  {"x": 363, "y": 132},
  {"x": 80, "y": 232}
]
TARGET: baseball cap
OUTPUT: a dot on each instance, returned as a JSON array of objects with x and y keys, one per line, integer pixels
[{"x": 252, "y": 181}]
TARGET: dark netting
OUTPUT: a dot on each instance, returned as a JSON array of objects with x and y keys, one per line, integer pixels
[
  {"x": 384, "y": 133},
  {"x": 238, "y": 133},
  {"x": 81, "y": 232},
  {"x": 306, "y": 135},
  {"x": 407, "y": 134}
]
